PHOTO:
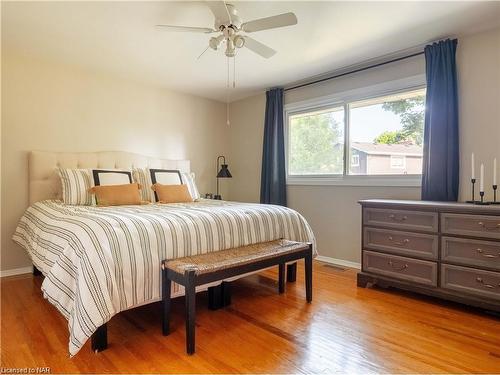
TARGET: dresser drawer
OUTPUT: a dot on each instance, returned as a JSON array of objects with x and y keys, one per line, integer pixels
[
  {"x": 401, "y": 219},
  {"x": 402, "y": 243},
  {"x": 471, "y": 225},
  {"x": 414, "y": 270},
  {"x": 471, "y": 281},
  {"x": 471, "y": 252}
]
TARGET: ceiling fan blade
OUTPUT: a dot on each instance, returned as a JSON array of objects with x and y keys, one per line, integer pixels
[
  {"x": 258, "y": 47},
  {"x": 220, "y": 11},
  {"x": 188, "y": 29},
  {"x": 281, "y": 20}
]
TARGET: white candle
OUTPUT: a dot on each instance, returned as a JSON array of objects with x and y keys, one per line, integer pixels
[
  {"x": 495, "y": 171},
  {"x": 472, "y": 175},
  {"x": 481, "y": 182}
]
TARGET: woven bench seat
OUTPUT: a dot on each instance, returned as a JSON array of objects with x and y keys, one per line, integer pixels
[
  {"x": 192, "y": 271},
  {"x": 220, "y": 260}
]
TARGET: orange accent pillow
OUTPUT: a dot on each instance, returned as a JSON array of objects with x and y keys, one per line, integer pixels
[
  {"x": 172, "y": 193},
  {"x": 117, "y": 195}
]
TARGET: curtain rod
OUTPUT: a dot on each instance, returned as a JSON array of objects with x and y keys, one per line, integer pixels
[{"x": 354, "y": 71}]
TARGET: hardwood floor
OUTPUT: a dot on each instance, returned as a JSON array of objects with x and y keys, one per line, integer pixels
[{"x": 346, "y": 329}]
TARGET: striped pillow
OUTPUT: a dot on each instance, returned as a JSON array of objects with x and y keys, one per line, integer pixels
[
  {"x": 75, "y": 186},
  {"x": 188, "y": 179},
  {"x": 143, "y": 176}
]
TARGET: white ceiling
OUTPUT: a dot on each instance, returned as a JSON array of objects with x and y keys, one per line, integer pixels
[{"x": 120, "y": 37}]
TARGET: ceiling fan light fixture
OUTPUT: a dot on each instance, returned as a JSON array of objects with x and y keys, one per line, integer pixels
[
  {"x": 229, "y": 25},
  {"x": 230, "y": 50},
  {"x": 213, "y": 43},
  {"x": 238, "y": 41}
]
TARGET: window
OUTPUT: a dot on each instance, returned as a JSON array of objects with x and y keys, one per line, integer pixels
[
  {"x": 399, "y": 162},
  {"x": 354, "y": 160},
  {"x": 380, "y": 136},
  {"x": 389, "y": 131},
  {"x": 316, "y": 142}
]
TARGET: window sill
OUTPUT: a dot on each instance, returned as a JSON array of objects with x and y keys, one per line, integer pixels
[{"x": 382, "y": 180}]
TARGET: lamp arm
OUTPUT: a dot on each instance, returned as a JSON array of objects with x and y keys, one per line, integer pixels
[
  {"x": 223, "y": 161},
  {"x": 217, "y": 170}
]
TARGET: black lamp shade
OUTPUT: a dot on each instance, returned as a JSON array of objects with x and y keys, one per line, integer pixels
[{"x": 224, "y": 172}]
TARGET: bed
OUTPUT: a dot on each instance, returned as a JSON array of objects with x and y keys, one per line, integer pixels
[{"x": 98, "y": 261}]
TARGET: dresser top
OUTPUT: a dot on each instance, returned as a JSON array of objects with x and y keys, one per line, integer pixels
[{"x": 432, "y": 206}]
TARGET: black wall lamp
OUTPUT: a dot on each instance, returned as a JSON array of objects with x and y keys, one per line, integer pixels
[{"x": 223, "y": 172}]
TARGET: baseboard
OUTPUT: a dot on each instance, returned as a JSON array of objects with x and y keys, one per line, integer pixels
[
  {"x": 339, "y": 262},
  {"x": 321, "y": 258},
  {"x": 16, "y": 271}
]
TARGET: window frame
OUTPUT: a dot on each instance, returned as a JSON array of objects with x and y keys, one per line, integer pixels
[{"x": 344, "y": 99}]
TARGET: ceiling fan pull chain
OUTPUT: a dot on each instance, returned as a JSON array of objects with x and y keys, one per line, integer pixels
[
  {"x": 234, "y": 72},
  {"x": 227, "y": 93}
]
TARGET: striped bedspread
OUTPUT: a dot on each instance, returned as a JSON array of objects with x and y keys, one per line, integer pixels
[{"x": 98, "y": 261}]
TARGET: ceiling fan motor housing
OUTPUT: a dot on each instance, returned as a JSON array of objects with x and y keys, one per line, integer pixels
[{"x": 235, "y": 19}]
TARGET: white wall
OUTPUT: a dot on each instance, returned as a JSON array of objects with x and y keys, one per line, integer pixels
[
  {"x": 46, "y": 106},
  {"x": 478, "y": 58},
  {"x": 333, "y": 211}
]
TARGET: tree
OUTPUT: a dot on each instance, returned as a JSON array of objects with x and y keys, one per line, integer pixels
[
  {"x": 411, "y": 113},
  {"x": 316, "y": 144},
  {"x": 390, "y": 137}
]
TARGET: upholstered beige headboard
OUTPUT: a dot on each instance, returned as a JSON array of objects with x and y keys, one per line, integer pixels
[{"x": 44, "y": 183}]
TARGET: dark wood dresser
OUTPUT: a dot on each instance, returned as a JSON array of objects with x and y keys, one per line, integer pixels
[{"x": 446, "y": 250}]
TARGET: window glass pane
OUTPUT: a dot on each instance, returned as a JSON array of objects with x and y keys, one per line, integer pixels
[
  {"x": 386, "y": 134},
  {"x": 316, "y": 142}
]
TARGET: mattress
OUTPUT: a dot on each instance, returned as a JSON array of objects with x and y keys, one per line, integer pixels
[{"x": 98, "y": 261}]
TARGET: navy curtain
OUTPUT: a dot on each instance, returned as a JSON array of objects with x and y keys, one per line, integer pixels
[
  {"x": 441, "y": 159},
  {"x": 273, "y": 179}
]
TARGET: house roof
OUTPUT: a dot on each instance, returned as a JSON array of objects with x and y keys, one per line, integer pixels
[{"x": 385, "y": 149}]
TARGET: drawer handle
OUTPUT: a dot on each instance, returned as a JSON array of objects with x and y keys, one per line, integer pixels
[
  {"x": 481, "y": 281},
  {"x": 395, "y": 218},
  {"x": 396, "y": 268},
  {"x": 480, "y": 251},
  {"x": 402, "y": 243},
  {"x": 484, "y": 226}
]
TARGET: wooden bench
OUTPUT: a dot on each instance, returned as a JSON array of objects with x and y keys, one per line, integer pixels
[{"x": 202, "y": 269}]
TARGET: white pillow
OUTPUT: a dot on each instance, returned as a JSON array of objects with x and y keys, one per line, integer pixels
[
  {"x": 75, "y": 186},
  {"x": 105, "y": 177}
]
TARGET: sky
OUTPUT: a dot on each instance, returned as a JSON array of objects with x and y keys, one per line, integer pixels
[
  {"x": 377, "y": 119},
  {"x": 368, "y": 122}
]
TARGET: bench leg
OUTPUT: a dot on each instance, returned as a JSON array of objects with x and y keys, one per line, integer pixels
[
  {"x": 99, "y": 340},
  {"x": 190, "y": 285},
  {"x": 291, "y": 272},
  {"x": 219, "y": 296},
  {"x": 225, "y": 293},
  {"x": 166, "y": 292},
  {"x": 36, "y": 271},
  {"x": 281, "y": 278},
  {"x": 308, "y": 267},
  {"x": 214, "y": 297}
]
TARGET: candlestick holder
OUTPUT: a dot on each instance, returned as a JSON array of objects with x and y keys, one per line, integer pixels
[
  {"x": 482, "y": 201},
  {"x": 495, "y": 187},
  {"x": 473, "y": 182}
]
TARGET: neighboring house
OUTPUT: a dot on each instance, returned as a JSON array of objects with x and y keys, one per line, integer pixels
[{"x": 370, "y": 158}]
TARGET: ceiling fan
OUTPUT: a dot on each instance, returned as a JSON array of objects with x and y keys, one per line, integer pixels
[{"x": 231, "y": 29}]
